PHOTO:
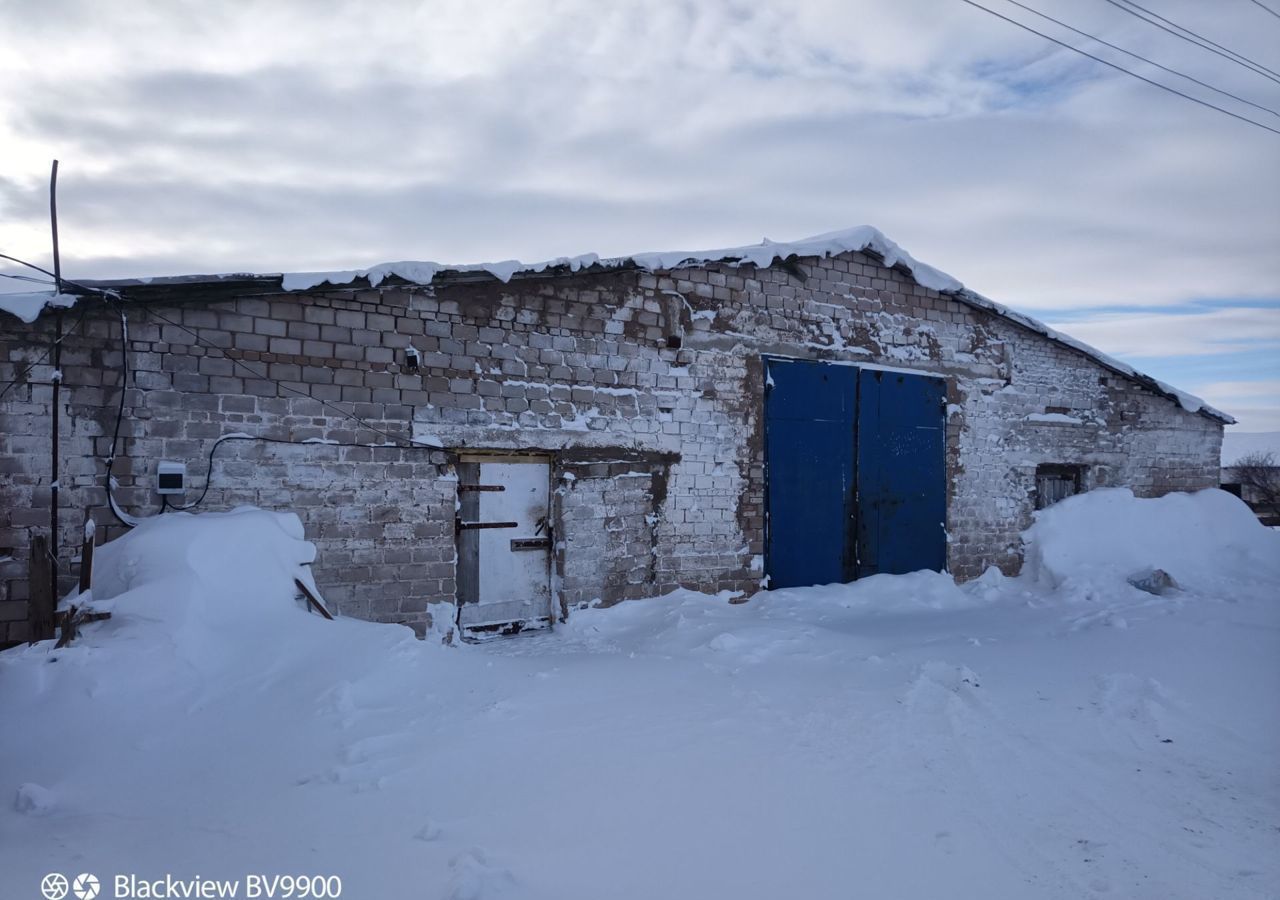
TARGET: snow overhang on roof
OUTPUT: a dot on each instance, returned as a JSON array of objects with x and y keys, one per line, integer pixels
[{"x": 863, "y": 238}]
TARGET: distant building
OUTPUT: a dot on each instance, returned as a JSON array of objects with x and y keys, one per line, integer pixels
[
  {"x": 518, "y": 440},
  {"x": 1258, "y": 485}
]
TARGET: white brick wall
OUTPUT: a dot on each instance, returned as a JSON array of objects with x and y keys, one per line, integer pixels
[{"x": 664, "y": 444}]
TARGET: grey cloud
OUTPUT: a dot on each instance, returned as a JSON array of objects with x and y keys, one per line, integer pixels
[
  {"x": 1221, "y": 330},
  {"x": 646, "y": 126}
]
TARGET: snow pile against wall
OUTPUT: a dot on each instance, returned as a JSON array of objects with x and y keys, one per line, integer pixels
[
  {"x": 1203, "y": 540},
  {"x": 1094, "y": 542},
  {"x": 801, "y": 622},
  {"x": 200, "y": 576}
]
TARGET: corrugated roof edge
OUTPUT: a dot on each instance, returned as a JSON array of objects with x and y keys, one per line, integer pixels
[{"x": 861, "y": 239}]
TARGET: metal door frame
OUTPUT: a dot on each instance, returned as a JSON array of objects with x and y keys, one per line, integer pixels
[{"x": 480, "y": 456}]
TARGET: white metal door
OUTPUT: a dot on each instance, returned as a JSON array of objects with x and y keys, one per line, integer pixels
[{"x": 506, "y": 508}]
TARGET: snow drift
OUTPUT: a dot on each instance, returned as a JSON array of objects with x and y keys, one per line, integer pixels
[
  {"x": 235, "y": 566},
  {"x": 214, "y": 585},
  {"x": 1105, "y": 536},
  {"x": 899, "y": 737}
]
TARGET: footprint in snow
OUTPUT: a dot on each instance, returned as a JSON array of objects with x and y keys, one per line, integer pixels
[
  {"x": 32, "y": 799},
  {"x": 430, "y": 831},
  {"x": 938, "y": 684},
  {"x": 1103, "y": 619},
  {"x": 726, "y": 642},
  {"x": 1127, "y": 697},
  {"x": 474, "y": 877}
]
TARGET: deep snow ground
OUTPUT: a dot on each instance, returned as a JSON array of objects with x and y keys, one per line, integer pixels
[{"x": 1056, "y": 736}]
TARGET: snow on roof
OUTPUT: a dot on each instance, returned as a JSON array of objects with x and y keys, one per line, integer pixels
[
  {"x": 1189, "y": 402},
  {"x": 28, "y": 305},
  {"x": 863, "y": 238}
]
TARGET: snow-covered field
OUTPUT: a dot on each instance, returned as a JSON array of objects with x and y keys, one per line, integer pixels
[{"x": 1057, "y": 735}]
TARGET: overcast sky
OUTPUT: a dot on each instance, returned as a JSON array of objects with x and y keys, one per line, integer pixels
[{"x": 276, "y": 136}]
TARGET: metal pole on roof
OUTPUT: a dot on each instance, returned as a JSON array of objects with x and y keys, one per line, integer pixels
[{"x": 56, "y": 403}]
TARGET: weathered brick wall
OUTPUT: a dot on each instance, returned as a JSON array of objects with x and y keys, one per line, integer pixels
[
  {"x": 25, "y": 494},
  {"x": 663, "y": 442},
  {"x": 381, "y": 517},
  {"x": 1117, "y": 432},
  {"x": 610, "y": 514}
]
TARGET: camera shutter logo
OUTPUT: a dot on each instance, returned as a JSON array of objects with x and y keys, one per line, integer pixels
[
  {"x": 85, "y": 887},
  {"x": 54, "y": 886}
]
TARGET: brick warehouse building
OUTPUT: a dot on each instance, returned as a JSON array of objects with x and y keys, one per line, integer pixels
[{"x": 519, "y": 440}]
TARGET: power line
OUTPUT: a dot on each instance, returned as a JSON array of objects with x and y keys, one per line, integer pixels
[
  {"x": 83, "y": 310},
  {"x": 23, "y": 262},
  {"x": 25, "y": 278},
  {"x": 1192, "y": 38},
  {"x": 115, "y": 297},
  {"x": 1259, "y": 3},
  {"x": 1199, "y": 36},
  {"x": 19, "y": 377},
  {"x": 1150, "y": 62},
  {"x": 1119, "y": 68}
]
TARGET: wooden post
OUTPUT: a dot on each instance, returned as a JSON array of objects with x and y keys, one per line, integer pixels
[
  {"x": 313, "y": 602},
  {"x": 86, "y": 554},
  {"x": 55, "y": 404},
  {"x": 43, "y": 592}
]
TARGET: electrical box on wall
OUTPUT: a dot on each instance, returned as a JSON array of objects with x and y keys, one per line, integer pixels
[{"x": 171, "y": 477}]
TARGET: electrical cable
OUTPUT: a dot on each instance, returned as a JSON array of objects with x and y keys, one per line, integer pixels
[
  {"x": 1262, "y": 5},
  {"x": 26, "y": 278},
  {"x": 208, "y": 481},
  {"x": 18, "y": 378},
  {"x": 113, "y": 298},
  {"x": 121, "y": 516},
  {"x": 104, "y": 292},
  {"x": 325, "y": 403},
  {"x": 23, "y": 262},
  {"x": 1198, "y": 40},
  {"x": 1201, "y": 37},
  {"x": 1150, "y": 62},
  {"x": 1119, "y": 68}
]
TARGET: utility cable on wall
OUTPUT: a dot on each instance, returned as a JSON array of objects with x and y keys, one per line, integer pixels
[
  {"x": 312, "y": 442},
  {"x": 413, "y": 442},
  {"x": 114, "y": 300},
  {"x": 19, "y": 378}
]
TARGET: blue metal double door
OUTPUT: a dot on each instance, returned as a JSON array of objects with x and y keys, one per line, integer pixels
[{"x": 855, "y": 472}]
